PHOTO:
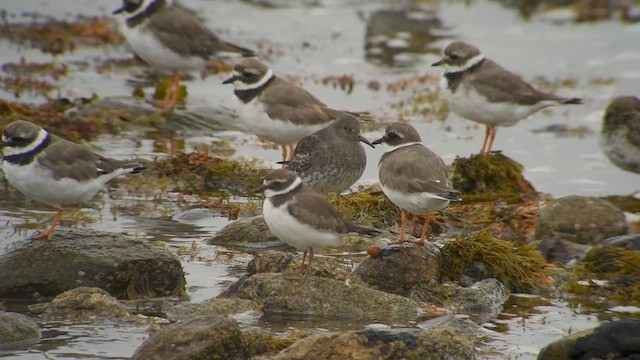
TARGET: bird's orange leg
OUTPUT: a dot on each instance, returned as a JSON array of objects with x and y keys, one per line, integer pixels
[
  {"x": 493, "y": 137},
  {"x": 486, "y": 137},
  {"x": 304, "y": 255},
  {"x": 49, "y": 233},
  {"x": 425, "y": 230},
  {"x": 403, "y": 221},
  {"x": 292, "y": 149},
  {"x": 309, "y": 267},
  {"x": 284, "y": 155}
]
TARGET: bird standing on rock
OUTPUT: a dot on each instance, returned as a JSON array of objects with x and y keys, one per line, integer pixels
[
  {"x": 413, "y": 177},
  {"x": 302, "y": 217}
]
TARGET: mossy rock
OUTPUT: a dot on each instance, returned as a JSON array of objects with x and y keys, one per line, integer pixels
[
  {"x": 209, "y": 337},
  {"x": 490, "y": 177},
  {"x": 410, "y": 344},
  {"x": 620, "y": 267},
  {"x": 627, "y": 203},
  {"x": 519, "y": 268}
]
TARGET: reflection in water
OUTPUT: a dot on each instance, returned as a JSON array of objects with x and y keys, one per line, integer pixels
[{"x": 393, "y": 34}]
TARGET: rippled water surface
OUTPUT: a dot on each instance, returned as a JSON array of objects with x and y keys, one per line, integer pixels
[{"x": 311, "y": 43}]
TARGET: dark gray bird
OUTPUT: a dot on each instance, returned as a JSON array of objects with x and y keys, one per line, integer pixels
[{"x": 331, "y": 159}]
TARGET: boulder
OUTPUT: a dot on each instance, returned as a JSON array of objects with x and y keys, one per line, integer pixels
[
  {"x": 215, "y": 306},
  {"x": 323, "y": 297},
  {"x": 483, "y": 301},
  {"x": 209, "y": 337},
  {"x": 248, "y": 233},
  {"x": 580, "y": 219},
  {"x": 17, "y": 331},
  {"x": 617, "y": 339},
  {"x": 376, "y": 344},
  {"x": 85, "y": 303},
  {"x": 400, "y": 268},
  {"x": 289, "y": 264},
  {"x": 125, "y": 267}
]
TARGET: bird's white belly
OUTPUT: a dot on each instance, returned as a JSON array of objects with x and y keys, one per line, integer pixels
[
  {"x": 255, "y": 117},
  {"x": 295, "y": 233},
  {"x": 152, "y": 51},
  {"x": 473, "y": 106},
  {"x": 35, "y": 182},
  {"x": 416, "y": 203}
]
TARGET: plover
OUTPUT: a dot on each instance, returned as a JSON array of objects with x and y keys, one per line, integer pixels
[
  {"x": 276, "y": 109},
  {"x": 55, "y": 171},
  {"x": 413, "y": 177},
  {"x": 302, "y": 217},
  {"x": 171, "y": 38},
  {"x": 331, "y": 159},
  {"x": 620, "y": 134},
  {"x": 480, "y": 90}
]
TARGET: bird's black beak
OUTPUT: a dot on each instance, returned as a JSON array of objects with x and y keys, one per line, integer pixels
[
  {"x": 364, "y": 140},
  {"x": 380, "y": 141},
  {"x": 230, "y": 80},
  {"x": 118, "y": 11},
  {"x": 260, "y": 190},
  {"x": 438, "y": 63}
]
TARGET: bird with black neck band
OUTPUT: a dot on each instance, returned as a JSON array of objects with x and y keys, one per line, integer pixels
[
  {"x": 480, "y": 90},
  {"x": 171, "y": 38},
  {"x": 54, "y": 171}
]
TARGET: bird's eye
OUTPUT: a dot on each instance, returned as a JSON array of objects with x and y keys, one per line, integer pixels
[
  {"x": 454, "y": 57},
  {"x": 247, "y": 74},
  {"x": 392, "y": 135},
  {"x": 16, "y": 139}
]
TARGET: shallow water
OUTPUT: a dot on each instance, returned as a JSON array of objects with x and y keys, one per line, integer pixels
[{"x": 311, "y": 43}]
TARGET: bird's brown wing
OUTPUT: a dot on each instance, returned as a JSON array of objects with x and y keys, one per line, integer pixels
[
  {"x": 170, "y": 26},
  {"x": 284, "y": 104},
  {"x": 306, "y": 150},
  {"x": 68, "y": 160},
  {"x": 501, "y": 85},
  {"x": 416, "y": 169},
  {"x": 318, "y": 211}
]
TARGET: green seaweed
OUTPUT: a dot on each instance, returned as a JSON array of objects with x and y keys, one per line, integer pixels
[{"x": 519, "y": 268}]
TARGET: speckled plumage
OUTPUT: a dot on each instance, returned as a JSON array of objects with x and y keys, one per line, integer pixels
[{"x": 332, "y": 159}]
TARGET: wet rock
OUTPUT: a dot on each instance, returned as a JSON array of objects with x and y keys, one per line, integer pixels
[
  {"x": 85, "y": 303},
  {"x": 17, "y": 331},
  {"x": 248, "y": 233},
  {"x": 495, "y": 177},
  {"x": 400, "y": 268},
  {"x": 629, "y": 241},
  {"x": 473, "y": 273},
  {"x": 382, "y": 344},
  {"x": 210, "y": 337},
  {"x": 612, "y": 340},
  {"x": 215, "y": 306},
  {"x": 580, "y": 219},
  {"x": 483, "y": 301},
  {"x": 289, "y": 264},
  {"x": 322, "y": 297},
  {"x": 453, "y": 324},
  {"x": 562, "y": 251},
  {"x": 124, "y": 267}
]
